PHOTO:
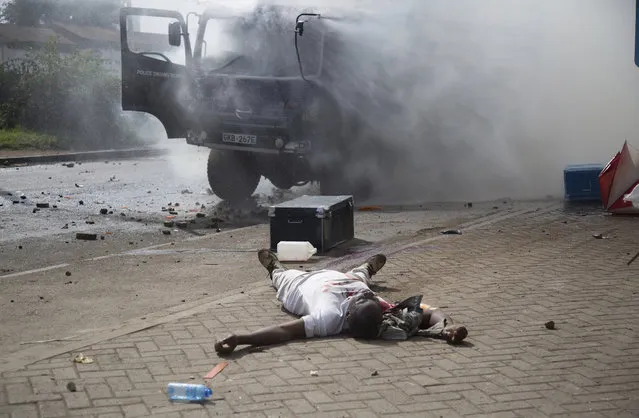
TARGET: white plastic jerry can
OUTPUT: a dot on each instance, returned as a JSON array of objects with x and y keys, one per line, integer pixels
[{"x": 295, "y": 250}]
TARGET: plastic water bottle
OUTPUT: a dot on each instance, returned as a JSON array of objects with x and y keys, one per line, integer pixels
[
  {"x": 295, "y": 250},
  {"x": 187, "y": 392}
]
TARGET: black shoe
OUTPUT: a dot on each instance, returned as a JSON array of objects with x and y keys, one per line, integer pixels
[
  {"x": 269, "y": 260},
  {"x": 374, "y": 264}
]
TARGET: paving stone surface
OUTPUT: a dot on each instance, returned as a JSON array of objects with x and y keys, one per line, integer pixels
[{"x": 503, "y": 280}]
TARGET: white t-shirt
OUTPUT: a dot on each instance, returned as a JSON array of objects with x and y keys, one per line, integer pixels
[{"x": 321, "y": 298}]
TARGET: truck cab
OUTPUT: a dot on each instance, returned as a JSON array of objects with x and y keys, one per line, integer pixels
[{"x": 251, "y": 87}]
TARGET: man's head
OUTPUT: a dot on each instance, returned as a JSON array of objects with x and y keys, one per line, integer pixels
[{"x": 364, "y": 315}]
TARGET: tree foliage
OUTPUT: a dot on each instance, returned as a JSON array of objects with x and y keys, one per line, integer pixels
[
  {"x": 70, "y": 96},
  {"x": 102, "y": 13}
]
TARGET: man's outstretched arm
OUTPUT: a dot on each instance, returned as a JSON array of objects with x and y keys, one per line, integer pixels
[{"x": 275, "y": 334}]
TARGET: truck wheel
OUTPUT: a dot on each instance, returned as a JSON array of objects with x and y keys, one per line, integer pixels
[{"x": 232, "y": 175}]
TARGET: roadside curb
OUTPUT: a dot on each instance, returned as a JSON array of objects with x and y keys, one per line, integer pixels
[{"x": 84, "y": 156}]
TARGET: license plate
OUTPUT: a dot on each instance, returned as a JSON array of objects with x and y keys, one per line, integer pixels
[{"x": 239, "y": 139}]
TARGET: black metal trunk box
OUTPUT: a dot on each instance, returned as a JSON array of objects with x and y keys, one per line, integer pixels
[{"x": 324, "y": 221}]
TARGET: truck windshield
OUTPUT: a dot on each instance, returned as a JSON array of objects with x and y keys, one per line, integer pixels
[{"x": 261, "y": 45}]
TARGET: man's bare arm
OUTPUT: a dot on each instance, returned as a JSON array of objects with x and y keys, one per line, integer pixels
[{"x": 275, "y": 334}]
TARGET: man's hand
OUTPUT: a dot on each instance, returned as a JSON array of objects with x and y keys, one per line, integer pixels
[
  {"x": 275, "y": 334},
  {"x": 227, "y": 345}
]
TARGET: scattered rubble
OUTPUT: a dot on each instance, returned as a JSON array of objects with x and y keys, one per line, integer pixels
[{"x": 82, "y": 359}]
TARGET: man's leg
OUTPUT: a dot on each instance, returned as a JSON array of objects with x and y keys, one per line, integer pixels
[
  {"x": 282, "y": 279},
  {"x": 368, "y": 269}
]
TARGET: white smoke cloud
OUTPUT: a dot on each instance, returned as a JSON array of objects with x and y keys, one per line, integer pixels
[{"x": 484, "y": 99}]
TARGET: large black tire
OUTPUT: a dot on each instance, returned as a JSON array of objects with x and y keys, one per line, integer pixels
[{"x": 233, "y": 175}]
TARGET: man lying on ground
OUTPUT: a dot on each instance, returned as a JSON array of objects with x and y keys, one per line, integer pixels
[{"x": 330, "y": 302}]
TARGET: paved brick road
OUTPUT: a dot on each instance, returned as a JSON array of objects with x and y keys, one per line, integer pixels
[{"x": 504, "y": 280}]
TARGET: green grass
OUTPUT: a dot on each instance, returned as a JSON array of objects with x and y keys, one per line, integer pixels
[{"x": 18, "y": 139}]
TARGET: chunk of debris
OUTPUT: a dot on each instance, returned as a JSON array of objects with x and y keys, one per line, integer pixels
[
  {"x": 81, "y": 202},
  {"x": 598, "y": 236},
  {"x": 452, "y": 232},
  {"x": 187, "y": 191},
  {"x": 66, "y": 226},
  {"x": 82, "y": 359},
  {"x": 86, "y": 237},
  {"x": 169, "y": 224},
  {"x": 42, "y": 205},
  {"x": 68, "y": 273},
  {"x": 172, "y": 212},
  {"x": 369, "y": 208},
  {"x": 71, "y": 387},
  {"x": 200, "y": 215},
  {"x": 70, "y": 165},
  {"x": 90, "y": 222},
  {"x": 550, "y": 325},
  {"x": 36, "y": 210},
  {"x": 166, "y": 232},
  {"x": 104, "y": 211},
  {"x": 182, "y": 224},
  {"x": 374, "y": 373},
  {"x": 78, "y": 185},
  {"x": 216, "y": 370}
]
